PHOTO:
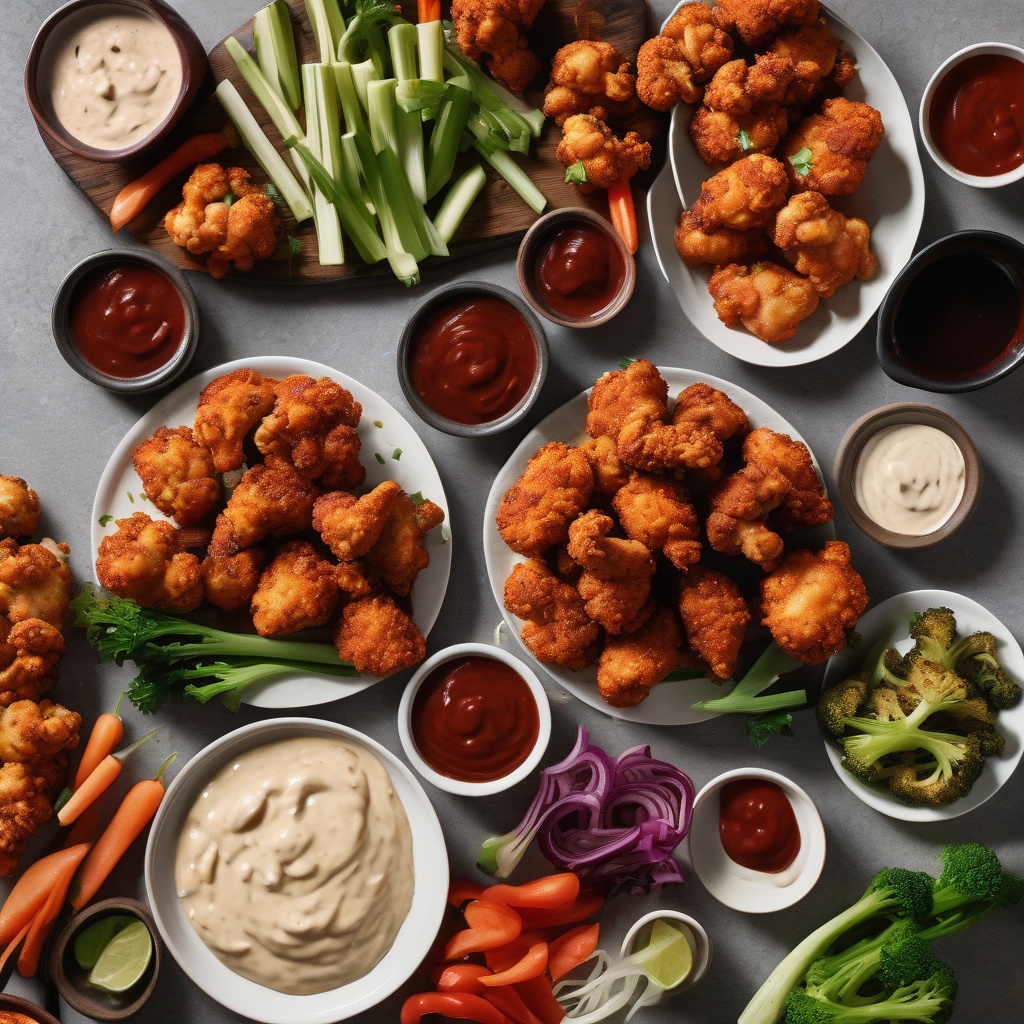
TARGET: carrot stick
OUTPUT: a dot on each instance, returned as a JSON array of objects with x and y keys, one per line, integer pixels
[
  {"x": 537, "y": 995},
  {"x": 587, "y": 903},
  {"x": 490, "y": 925},
  {"x": 530, "y": 966},
  {"x": 570, "y": 950},
  {"x": 12, "y": 946},
  {"x": 428, "y": 10},
  {"x": 103, "y": 740},
  {"x": 460, "y": 893},
  {"x": 84, "y": 830},
  {"x": 98, "y": 781},
  {"x": 623, "y": 213},
  {"x": 542, "y": 893},
  {"x": 136, "y": 195},
  {"x": 134, "y": 814},
  {"x": 30, "y": 892}
]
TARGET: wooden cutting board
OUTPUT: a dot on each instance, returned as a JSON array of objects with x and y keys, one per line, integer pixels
[{"x": 498, "y": 217}]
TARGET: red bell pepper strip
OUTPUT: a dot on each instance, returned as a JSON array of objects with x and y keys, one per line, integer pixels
[
  {"x": 586, "y": 904},
  {"x": 542, "y": 894},
  {"x": 460, "y": 893},
  {"x": 490, "y": 925},
  {"x": 511, "y": 1004},
  {"x": 460, "y": 978},
  {"x": 531, "y": 965},
  {"x": 571, "y": 949},
  {"x": 537, "y": 995},
  {"x": 460, "y": 1005}
]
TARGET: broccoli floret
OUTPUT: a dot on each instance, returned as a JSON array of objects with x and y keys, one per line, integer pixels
[
  {"x": 927, "y": 782},
  {"x": 933, "y": 631},
  {"x": 840, "y": 702},
  {"x": 985, "y": 672}
]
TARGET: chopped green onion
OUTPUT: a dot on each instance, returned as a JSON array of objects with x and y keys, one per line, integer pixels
[
  {"x": 274, "y": 39},
  {"x": 396, "y": 454},
  {"x": 744, "y": 140},
  {"x": 457, "y": 202},
  {"x": 802, "y": 161},
  {"x": 576, "y": 174},
  {"x": 379, "y": 458},
  {"x": 106, "y": 519}
]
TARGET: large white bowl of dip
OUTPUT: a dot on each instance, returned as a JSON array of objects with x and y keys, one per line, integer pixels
[{"x": 185, "y": 807}]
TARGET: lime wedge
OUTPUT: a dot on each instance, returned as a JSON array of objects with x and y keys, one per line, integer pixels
[
  {"x": 124, "y": 959},
  {"x": 671, "y": 958},
  {"x": 91, "y": 941}
]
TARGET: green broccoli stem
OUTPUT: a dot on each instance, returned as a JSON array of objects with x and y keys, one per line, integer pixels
[
  {"x": 745, "y": 697},
  {"x": 241, "y": 645}
]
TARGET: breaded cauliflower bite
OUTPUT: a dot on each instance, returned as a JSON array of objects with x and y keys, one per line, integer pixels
[
  {"x": 769, "y": 300},
  {"x": 606, "y": 158},
  {"x": 718, "y": 247},
  {"x": 28, "y": 660},
  {"x": 494, "y": 31},
  {"x": 377, "y": 636},
  {"x": 296, "y": 591},
  {"x": 26, "y": 805},
  {"x": 19, "y": 508},
  {"x": 177, "y": 475},
  {"x": 720, "y": 137},
  {"x": 632, "y": 664},
  {"x": 757, "y": 21},
  {"x": 715, "y": 618},
  {"x": 743, "y": 195},
  {"x": 35, "y": 581},
  {"x": 590, "y": 77},
  {"x": 229, "y": 407}
]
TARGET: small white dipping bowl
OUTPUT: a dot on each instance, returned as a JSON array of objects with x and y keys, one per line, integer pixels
[
  {"x": 458, "y": 786},
  {"x": 755, "y": 892},
  {"x": 696, "y": 938},
  {"x": 245, "y": 997},
  {"x": 923, "y": 119}
]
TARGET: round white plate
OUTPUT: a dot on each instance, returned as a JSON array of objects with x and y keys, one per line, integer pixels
[
  {"x": 411, "y": 945},
  {"x": 119, "y": 494},
  {"x": 669, "y": 703},
  {"x": 891, "y": 201},
  {"x": 890, "y": 622}
]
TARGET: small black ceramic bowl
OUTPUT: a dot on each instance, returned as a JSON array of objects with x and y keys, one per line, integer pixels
[
  {"x": 470, "y": 358},
  {"x": 953, "y": 319},
  {"x": 79, "y": 277}
]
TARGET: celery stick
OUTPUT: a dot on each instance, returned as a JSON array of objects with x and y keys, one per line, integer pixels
[
  {"x": 410, "y": 149},
  {"x": 459, "y": 199},
  {"x": 420, "y": 95},
  {"x": 362, "y": 74},
  {"x": 349, "y": 97},
  {"x": 323, "y": 136},
  {"x": 402, "y": 43},
  {"x": 380, "y": 109},
  {"x": 407, "y": 207},
  {"x": 452, "y": 115},
  {"x": 500, "y": 160},
  {"x": 328, "y": 27},
  {"x": 431, "y": 48},
  {"x": 263, "y": 150},
  {"x": 274, "y": 40}
]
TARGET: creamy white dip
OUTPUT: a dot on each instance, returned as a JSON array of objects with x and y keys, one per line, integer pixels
[
  {"x": 910, "y": 478},
  {"x": 110, "y": 74},
  {"x": 295, "y": 864}
]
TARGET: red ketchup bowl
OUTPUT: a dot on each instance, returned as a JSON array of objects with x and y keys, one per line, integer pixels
[
  {"x": 972, "y": 119},
  {"x": 474, "y": 720},
  {"x": 472, "y": 359},
  {"x": 127, "y": 320},
  {"x": 574, "y": 269}
]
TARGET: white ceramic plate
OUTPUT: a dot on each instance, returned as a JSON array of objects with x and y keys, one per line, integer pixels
[
  {"x": 669, "y": 703},
  {"x": 119, "y": 494},
  {"x": 411, "y": 945},
  {"x": 891, "y": 201},
  {"x": 890, "y": 622}
]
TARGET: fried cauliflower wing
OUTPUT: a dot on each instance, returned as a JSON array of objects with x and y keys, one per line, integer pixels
[
  {"x": 672, "y": 67},
  {"x": 31, "y": 733},
  {"x": 753, "y": 539},
  {"x": 805, "y": 503},
  {"x": 297, "y": 591},
  {"x": 494, "y": 31},
  {"x": 721, "y": 138},
  {"x": 377, "y": 636},
  {"x": 229, "y": 407},
  {"x": 606, "y": 158},
  {"x": 535, "y": 512},
  {"x": 35, "y": 581},
  {"x": 610, "y": 472},
  {"x": 823, "y": 245},
  {"x": 399, "y": 554},
  {"x": 769, "y": 300},
  {"x": 718, "y": 247},
  {"x": 738, "y": 87},
  {"x": 25, "y": 806},
  {"x": 757, "y": 21},
  {"x": 744, "y": 195},
  {"x": 632, "y": 664},
  {"x": 657, "y": 447},
  {"x": 812, "y": 51},
  {"x": 144, "y": 561},
  {"x": 28, "y": 660},
  {"x": 253, "y": 227},
  {"x": 590, "y": 77},
  {"x": 706, "y": 406},
  {"x": 350, "y": 526},
  {"x": 738, "y": 510},
  {"x": 638, "y": 390},
  {"x": 557, "y": 629},
  {"x": 231, "y": 580},
  {"x": 19, "y": 508},
  {"x": 656, "y": 511},
  {"x": 177, "y": 475},
  {"x": 715, "y": 618},
  {"x": 812, "y": 600}
]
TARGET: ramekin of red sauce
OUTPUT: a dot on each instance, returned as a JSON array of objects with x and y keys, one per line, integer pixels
[
  {"x": 127, "y": 320},
  {"x": 474, "y": 720},
  {"x": 472, "y": 359},
  {"x": 972, "y": 115}
]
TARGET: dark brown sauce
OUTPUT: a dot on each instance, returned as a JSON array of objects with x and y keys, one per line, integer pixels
[{"x": 960, "y": 316}]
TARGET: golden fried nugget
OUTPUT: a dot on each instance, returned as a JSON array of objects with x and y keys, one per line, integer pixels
[
  {"x": 757, "y": 21},
  {"x": 744, "y": 195},
  {"x": 637, "y": 391},
  {"x": 605, "y": 157},
  {"x": 723, "y": 245},
  {"x": 811, "y": 50},
  {"x": 35, "y": 581},
  {"x": 631, "y": 664},
  {"x": 350, "y": 526},
  {"x": 659, "y": 447},
  {"x": 721, "y": 138},
  {"x": 28, "y": 660},
  {"x": 399, "y": 554},
  {"x": 590, "y": 77},
  {"x": 31, "y": 733},
  {"x": 754, "y": 539},
  {"x": 377, "y": 636},
  {"x": 19, "y": 508},
  {"x": 715, "y": 618},
  {"x": 738, "y": 87},
  {"x": 177, "y": 475},
  {"x": 769, "y": 300},
  {"x": 656, "y": 511},
  {"x": 297, "y": 590},
  {"x": 229, "y": 407},
  {"x": 706, "y": 406},
  {"x": 230, "y": 580},
  {"x": 554, "y": 489},
  {"x": 25, "y": 806},
  {"x": 610, "y": 473},
  {"x": 806, "y": 502},
  {"x": 494, "y": 31}
]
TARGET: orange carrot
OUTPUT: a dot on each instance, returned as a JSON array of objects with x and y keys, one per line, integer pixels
[
  {"x": 428, "y": 10},
  {"x": 84, "y": 830},
  {"x": 530, "y": 966},
  {"x": 542, "y": 893},
  {"x": 623, "y": 213},
  {"x": 12, "y": 947},
  {"x": 460, "y": 893},
  {"x": 103, "y": 740},
  {"x": 490, "y": 925},
  {"x": 134, "y": 814},
  {"x": 30, "y": 892},
  {"x": 587, "y": 903},
  {"x": 98, "y": 781},
  {"x": 570, "y": 950},
  {"x": 461, "y": 978},
  {"x": 136, "y": 195},
  {"x": 537, "y": 995}
]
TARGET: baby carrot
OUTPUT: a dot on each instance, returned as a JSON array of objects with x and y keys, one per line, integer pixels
[
  {"x": 623, "y": 213},
  {"x": 103, "y": 740},
  {"x": 490, "y": 925},
  {"x": 134, "y": 814},
  {"x": 541, "y": 894},
  {"x": 98, "y": 781},
  {"x": 428, "y": 10},
  {"x": 571, "y": 949},
  {"x": 30, "y": 892}
]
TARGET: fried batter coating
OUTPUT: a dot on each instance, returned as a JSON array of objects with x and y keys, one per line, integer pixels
[
  {"x": 19, "y": 508},
  {"x": 659, "y": 447},
  {"x": 355, "y": 579},
  {"x": 757, "y": 21},
  {"x": 557, "y": 629},
  {"x": 300, "y": 425},
  {"x": 751, "y": 538},
  {"x": 706, "y": 406},
  {"x": 616, "y": 579},
  {"x": 271, "y": 500},
  {"x": 721, "y": 138},
  {"x": 590, "y": 77},
  {"x": 177, "y": 475},
  {"x": 672, "y": 67},
  {"x": 229, "y": 407},
  {"x": 841, "y": 139},
  {"x": 718, "y": 247},
  {"x": 811, "y": 50},
  {"x": 349, "y": 525},
  {"x": 378, "y": 637},
  {"x": 35, "y": 581},
  {"x": 738, "y": 87},
  {"x": 399, "y": 554},
  {"x": 494, "y": 31},
  {"x": 606, "y": 159},
  {"x": 769, "y": 300},
  {"x": 610, "y": 473},
  {"x": 535, "y": 512},
  {"x": 822, "y": 244},
  {"x": 812, "y": 600},
  {"x": 805, "y": 503},
  {"x": 144, "y": 561},
  {"x": 656, "y": 511},
  {"x": 25, "y": 807},
  {"x": 31, "y": 733},
  {"x": 631, "y": 664},
  {"x": 231, "y": 580},
  {"x": 638, "y": 390},
  {"x": 739, "y": 506},
  {"x": 743, "y": 195},
  {"x": 715, "y": 618},
  {"x": 28, "y": 660},
  {"x": 297, "y": 591}
]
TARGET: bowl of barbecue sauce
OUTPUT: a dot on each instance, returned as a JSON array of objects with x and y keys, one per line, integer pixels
[
  {"x": 574, "y": 269},
  {"x": 953, "y": 319}
]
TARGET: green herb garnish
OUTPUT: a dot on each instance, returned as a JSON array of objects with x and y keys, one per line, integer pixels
[
  {"x": 744, "y": 140},
  {"x": 802, "y": 161},
  {"x": 396, "y": 454},
  {"x": 576, "y": 174},
  {"x": 379, "y": 457},
  {"x": 106, "y": 519}
]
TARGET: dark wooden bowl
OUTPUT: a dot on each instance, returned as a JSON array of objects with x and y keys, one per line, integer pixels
[{"x": 14, "y": 1004}]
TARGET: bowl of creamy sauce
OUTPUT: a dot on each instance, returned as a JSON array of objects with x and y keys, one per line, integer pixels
[
  {"x": 908, "y": 475},
  {"x": 106, "y": 78},
  {"x": 297, "y": 871}
]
